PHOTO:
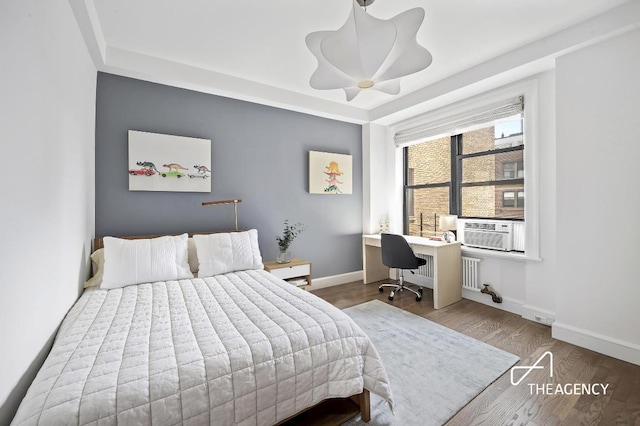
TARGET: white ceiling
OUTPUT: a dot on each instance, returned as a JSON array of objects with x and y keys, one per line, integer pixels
[{"x": 255, "y": 50}]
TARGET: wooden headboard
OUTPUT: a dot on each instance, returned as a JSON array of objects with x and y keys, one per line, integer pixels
[{"x": 98, "y": 241}]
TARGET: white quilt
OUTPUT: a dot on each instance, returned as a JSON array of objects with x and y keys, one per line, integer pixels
[{"x": 244, "y": 348}]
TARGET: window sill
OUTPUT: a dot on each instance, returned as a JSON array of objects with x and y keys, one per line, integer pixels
[{"x": 510, "y": 255}]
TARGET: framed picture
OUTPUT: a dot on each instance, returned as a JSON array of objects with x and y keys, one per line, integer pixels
[
  {"x": 168, "y": 163},
  {"x": 330, "y": 173}
]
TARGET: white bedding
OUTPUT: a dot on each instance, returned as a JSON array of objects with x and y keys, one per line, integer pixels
[{"x": 242, "y": 348}]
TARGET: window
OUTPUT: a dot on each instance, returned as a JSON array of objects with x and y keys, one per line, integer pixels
[
  {"x": 477, "y": 173},
  {"x": 513, "y": 170},
  {"x": 427, "y": 183},
  {"x": 489, "y": 161},
  {"x": 513, "y": 199},
  {"x": 508, "y": 199},
  {"x": 486, "y": 137}
]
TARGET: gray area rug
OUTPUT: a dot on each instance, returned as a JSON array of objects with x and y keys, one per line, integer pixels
[{"x": 434, "y": 371}]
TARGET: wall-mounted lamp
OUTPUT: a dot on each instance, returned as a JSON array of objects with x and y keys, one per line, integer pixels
[
  {"x": 448, "y": 223},
  {"x": 235, "y": 207}
]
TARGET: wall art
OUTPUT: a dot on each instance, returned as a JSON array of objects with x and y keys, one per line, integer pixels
[
  {"x": 330, "y": 173},
  {"x": 168, "y": 163}
]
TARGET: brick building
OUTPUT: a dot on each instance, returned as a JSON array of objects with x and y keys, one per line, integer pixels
[{"x": 430, "y": 163}]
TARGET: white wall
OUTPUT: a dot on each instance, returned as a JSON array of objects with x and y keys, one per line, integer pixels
[
  {"x": 377, "y": 156},
  {"x": 47, "y": 116},
  {"x": 598, "y": 178}
]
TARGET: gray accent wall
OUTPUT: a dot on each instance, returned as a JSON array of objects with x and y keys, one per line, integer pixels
[{"x": 259, "y": 154}]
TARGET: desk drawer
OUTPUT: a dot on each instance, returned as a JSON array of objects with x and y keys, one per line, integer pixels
[{"x": 292, "y": 271}]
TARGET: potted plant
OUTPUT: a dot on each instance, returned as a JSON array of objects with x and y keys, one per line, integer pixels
[{"x": 289, "y": 233}]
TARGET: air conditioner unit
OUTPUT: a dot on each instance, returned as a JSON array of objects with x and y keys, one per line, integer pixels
[{"x": 487, "y": 234}]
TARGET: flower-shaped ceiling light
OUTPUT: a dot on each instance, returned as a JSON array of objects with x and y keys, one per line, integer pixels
[{"x": 368, "y": 53}]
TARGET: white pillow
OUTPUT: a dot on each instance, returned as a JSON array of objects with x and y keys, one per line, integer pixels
[
  {"x": 227, "y": 252},
  {"x": 97, "y": 268},
  {"x": 128, "y": 262}
]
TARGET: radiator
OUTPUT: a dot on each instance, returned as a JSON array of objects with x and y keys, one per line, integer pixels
[
  {"x": 425, "y": 270},
  {"x": 470, "y": 279}
]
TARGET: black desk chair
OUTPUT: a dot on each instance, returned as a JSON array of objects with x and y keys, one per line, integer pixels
[{"x": 397, "y": 253}]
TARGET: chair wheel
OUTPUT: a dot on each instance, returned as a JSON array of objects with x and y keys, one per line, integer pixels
[
  {"x": 390, "y": 297},
  {"x": 418, "y": 298},
  {"x": 420, "y": 291},
  {"x": 380, "y": 289}
]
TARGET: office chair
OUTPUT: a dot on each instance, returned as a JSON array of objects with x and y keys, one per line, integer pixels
[{"x": 397, "y": 253}]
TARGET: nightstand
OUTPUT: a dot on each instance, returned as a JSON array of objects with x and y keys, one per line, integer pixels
[{"x": 296, "y": 269}]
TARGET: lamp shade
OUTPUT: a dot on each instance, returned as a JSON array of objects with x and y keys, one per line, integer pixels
[
  {"x": 368, "y": 53},
  {"x": 448, "y": 222}
]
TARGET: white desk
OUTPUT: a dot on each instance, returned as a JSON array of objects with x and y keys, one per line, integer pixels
[{"x": 447, "y": 265}]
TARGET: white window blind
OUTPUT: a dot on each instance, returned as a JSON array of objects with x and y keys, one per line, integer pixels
[{"x": 458, "y": 123}]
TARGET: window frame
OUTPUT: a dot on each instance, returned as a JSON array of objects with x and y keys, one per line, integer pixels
[
  {"x": 519, "y": 167},
  {"x": 497, "y": 183},
  {"x": 517, "y": 204},
  {"x": 531, "y": 132},
  {"x": 455, "y": 183},
  {"x": 406, "y": 189}
]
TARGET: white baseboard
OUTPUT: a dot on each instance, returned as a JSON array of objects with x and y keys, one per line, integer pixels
[
  {"x": 610, "y": 346},
  {"x": 333, "y": 280},
  {"x": 510, "y": 305},
  {"x": 530, "y": 312}
]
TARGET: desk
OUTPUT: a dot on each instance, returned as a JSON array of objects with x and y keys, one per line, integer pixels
[{"x": 447, "y": 265}]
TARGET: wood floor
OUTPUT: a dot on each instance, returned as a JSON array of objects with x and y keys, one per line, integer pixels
[{"x": 504, "y": 404}]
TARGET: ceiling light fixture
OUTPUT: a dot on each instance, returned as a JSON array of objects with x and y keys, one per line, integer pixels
[{"x": 368, "y": 53}]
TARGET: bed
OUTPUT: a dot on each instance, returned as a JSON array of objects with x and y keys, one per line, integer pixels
[{"x": 240, "y": 347}]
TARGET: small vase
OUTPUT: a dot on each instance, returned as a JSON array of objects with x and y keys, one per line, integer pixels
[{"x": 284, "y": 256}]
